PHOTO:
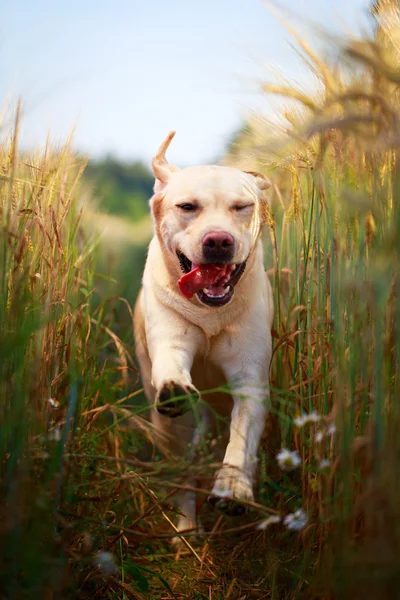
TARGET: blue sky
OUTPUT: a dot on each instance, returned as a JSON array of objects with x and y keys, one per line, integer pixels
[{"x": 125, "y": 72}]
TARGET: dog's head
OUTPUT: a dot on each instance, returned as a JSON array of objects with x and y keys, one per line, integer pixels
[{"x": 208, "y": 220}]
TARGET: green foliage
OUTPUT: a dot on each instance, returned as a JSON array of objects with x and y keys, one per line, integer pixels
[{"x": 120, "y": 188}]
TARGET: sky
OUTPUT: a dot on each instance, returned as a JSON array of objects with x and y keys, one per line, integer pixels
[{"x": 123, "y": 73}]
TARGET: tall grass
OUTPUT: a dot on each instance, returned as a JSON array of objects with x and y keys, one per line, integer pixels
[
  {"x": 335, "y": 236},
  {"x": 56, "y": 360},
  {"x": 45, "y": 277}
]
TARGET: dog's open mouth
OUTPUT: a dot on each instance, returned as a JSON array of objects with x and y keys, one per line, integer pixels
[{"x": 213, "y": 283}]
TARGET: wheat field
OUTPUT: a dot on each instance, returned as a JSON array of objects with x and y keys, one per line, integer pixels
[{"x": 85, "y": 505}]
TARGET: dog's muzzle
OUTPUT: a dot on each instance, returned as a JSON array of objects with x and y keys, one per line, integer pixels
[{"x": 220, "y": 290}]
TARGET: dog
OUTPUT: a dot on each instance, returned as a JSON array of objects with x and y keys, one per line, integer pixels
[{"x": 203, "y": 320}]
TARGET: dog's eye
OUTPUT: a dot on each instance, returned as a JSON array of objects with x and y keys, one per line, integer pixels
[
  {"x": 239, "y": 207},
  {"x": 187, "y": 206}
]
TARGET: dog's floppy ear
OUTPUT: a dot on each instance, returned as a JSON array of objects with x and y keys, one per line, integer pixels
[
  {"x": 261, "y": 215},
  {"x": 262, "y": 181},
  {"x": 161, "y": 169}
]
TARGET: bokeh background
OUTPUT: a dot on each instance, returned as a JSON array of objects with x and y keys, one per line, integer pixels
[
  {"x": 118, "y": 76},
  {"x": 125, "y": 73}
]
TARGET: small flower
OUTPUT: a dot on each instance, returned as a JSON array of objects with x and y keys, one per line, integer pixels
[
  {"x": 331, "y": 429},
  {"x": 53, "y": 403},
  {"x": 55, "y": 434},
  {"x": 105, "y": 562},
  {"x": 287, "y": 460},
  {"x": 270, "y": 521},
  {"x": 319, "y": 436},
  {"x": 312, "y": 417},
  {"x": 324, "y": 464},
  {"x": 223, "y": 493},
  {"x": 296, "y": 521}
]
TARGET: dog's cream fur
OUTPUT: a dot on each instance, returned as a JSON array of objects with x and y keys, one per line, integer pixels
[{"x": 185, "y": 345}]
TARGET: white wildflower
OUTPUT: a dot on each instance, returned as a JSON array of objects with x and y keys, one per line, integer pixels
[
  {"x": 269, "y": 521},
  {"x": 296, "y": 521},
  {"x": 223, "y": 493},
  {"x": 331, "y": 429},
  {"x": 319, "y": 436},
  {"x": 324, "y": 464},
  {"x": 287, "y": 460},
  {"x": 105, "y": 562},
  {"x": 53, "y": 403},
  {"x": 305, "y": 419},
  {"x": 55, "y": 434}
]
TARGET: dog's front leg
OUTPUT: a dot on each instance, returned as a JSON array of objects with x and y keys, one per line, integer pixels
[
  {"x": 173, "y": 343},
  {"x": 247, "y": 375},
  {"x": 234, "y": 481}
]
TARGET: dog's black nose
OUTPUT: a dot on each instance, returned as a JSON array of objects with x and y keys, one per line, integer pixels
[{"x": 218, "y": 246}]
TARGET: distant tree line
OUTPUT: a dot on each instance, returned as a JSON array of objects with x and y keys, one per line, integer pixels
[{"x": 120, "y": 188}]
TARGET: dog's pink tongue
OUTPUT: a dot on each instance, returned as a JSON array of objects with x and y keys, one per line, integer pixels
[{"x": 201, "y": 276}]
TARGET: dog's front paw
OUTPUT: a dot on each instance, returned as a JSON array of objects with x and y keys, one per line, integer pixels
[
  {"x": 231, "y": 490},
  {"x": 175, "y": 399}
]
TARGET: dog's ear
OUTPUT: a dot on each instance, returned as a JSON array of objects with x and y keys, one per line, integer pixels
[
  {"x": 262, "y": 181},
  {"x": 261, "y": 215},
  {"x": 161, "y": 169}
]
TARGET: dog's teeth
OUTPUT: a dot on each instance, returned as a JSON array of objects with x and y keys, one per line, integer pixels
[{"x": 210, "y": 293}]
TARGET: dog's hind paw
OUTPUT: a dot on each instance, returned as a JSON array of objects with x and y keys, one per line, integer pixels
[
  {"x": 175, "y": 399},
  {"x": 231, "y": 491},
  {"x": 196, "y": 533}
]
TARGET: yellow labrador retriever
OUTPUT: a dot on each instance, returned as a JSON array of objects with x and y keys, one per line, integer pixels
[{"x": 203, "y": 319}]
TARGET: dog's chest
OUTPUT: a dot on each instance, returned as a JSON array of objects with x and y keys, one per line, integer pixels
[
  {"x": 209, "y": 377},
  {"x": 211, "y": 354},
  {"x": 214, "y": 322}
]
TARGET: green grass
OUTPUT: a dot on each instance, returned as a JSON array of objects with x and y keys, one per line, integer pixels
[{"x": 80, "y": 478}]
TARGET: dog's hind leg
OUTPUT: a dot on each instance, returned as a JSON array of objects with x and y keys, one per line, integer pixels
[
  {"x": 188, "y": 519},
  {"x": 179, "y": 440},
  {"x": 187, "y": 499}
]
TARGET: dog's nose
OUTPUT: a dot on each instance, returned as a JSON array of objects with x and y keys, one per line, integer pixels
[{"x": 218, "y": 246}]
